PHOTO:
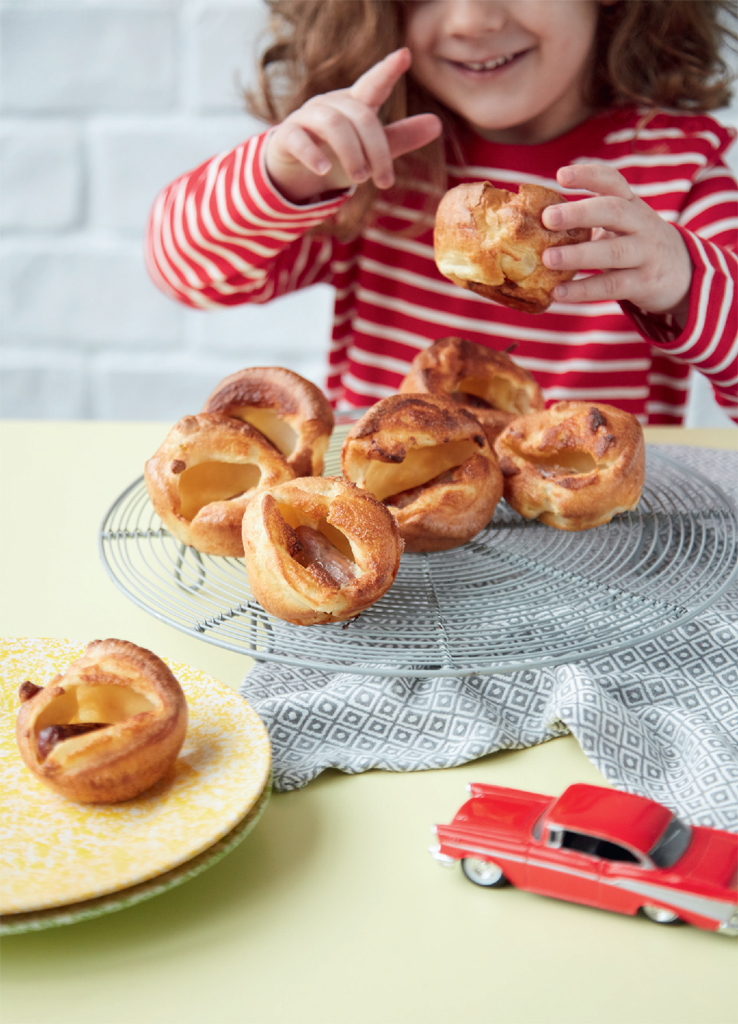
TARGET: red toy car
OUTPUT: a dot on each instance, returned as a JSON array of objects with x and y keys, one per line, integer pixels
[{"x": 597, "y": 846}]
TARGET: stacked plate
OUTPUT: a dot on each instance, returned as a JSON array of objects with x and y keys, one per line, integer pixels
[{"x": 62, "y": 862}]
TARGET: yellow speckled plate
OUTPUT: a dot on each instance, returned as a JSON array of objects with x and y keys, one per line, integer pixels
[{"x": 55, "y": 852}]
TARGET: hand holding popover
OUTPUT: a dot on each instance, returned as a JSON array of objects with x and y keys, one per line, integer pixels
[{"x": 491, "y": 241}]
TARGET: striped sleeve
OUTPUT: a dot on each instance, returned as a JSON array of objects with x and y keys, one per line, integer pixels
[
  {"x": 221, "y": 235},
  {"x": 709, "y": 341}
]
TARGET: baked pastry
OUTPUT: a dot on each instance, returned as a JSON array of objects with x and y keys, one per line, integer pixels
[
  {"x": 108, "y": 728},
  {"x": 574, "y": 466},
  {"x": 203, "y": 474},
  {"x": 489, "y": 384},
  {"x": 290, "y": 411},
  {"x": 318, "y": 549},
  {"x": 429, "y": 461},
  {"x": 491, "y": 241}
]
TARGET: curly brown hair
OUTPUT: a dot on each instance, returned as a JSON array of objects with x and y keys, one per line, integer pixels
[{"x": 653, "y": 53}]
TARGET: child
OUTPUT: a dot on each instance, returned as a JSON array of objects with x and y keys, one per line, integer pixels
[{"x": 599, "y": 99}]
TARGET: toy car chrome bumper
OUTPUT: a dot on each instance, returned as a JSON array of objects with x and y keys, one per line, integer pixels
[
  {"x": 729, "y": 927},
  {"x": 442, "y": 858}
]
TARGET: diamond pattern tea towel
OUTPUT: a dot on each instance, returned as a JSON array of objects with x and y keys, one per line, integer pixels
[{"x": 659, "y": 719}]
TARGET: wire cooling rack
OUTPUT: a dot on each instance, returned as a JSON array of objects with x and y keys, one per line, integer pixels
[{"x": 519, "y": 595}]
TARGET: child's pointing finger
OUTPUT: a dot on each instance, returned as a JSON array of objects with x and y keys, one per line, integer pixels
[
  {"x": 376, "y": 84},
  {"x": 412, "y": 133}
]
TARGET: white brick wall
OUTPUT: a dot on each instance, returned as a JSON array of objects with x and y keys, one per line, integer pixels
[{"x": 104, "y": 102}]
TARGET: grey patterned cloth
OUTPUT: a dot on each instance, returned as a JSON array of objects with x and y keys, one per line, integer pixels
[{"x": 660, "y": 718}]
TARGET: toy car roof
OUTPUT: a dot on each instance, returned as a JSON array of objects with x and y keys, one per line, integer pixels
[{"x": 610, "y": 814}]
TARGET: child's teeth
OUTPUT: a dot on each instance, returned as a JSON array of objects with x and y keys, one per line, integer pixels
[{"x": 488, "y": 65}]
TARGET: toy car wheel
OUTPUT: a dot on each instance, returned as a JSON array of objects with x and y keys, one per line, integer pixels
[
  {"x": 661, "y": 915},
  {"x": 483, "y": 872}
]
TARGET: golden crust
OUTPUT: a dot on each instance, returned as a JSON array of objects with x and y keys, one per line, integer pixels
[
  {"x": 574, "y": 466},
  {"x": 290, "y": 411},
  {"x": 122, "y": 687},
  {"x": 204, "y": 473},
  {"x": 359, "y": 556},
  {"x": 429, "y": 461},
  {"x": 487, "y": 383},
  {"x": 491, "y": 241}
]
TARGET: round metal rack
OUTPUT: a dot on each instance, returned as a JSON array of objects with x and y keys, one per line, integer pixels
[{"x": 519, "y": 595}]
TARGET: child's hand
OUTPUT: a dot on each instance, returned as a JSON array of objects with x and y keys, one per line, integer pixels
[
  {"x": 336, "y": 140},
  {"x": 642, "y": 257}
]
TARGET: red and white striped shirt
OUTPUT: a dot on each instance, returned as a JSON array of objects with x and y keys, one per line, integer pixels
[{"x": 221, "y": 235}]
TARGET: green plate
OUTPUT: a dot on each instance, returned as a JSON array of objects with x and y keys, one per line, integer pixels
[{"x": 35, "y": 920}]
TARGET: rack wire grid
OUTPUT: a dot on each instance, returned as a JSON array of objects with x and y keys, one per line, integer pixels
[{"x": 519, "y": 595}]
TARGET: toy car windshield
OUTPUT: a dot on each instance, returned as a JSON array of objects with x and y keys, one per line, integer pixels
[{"x": 672, "y": 844}]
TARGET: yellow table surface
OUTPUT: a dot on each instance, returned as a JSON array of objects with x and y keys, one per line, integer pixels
[{"x": 332, "y": 910}]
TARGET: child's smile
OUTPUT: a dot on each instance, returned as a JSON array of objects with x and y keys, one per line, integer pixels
[
  {"x": 484, "y": 68},
  {"x": 515, "y": 70}
]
